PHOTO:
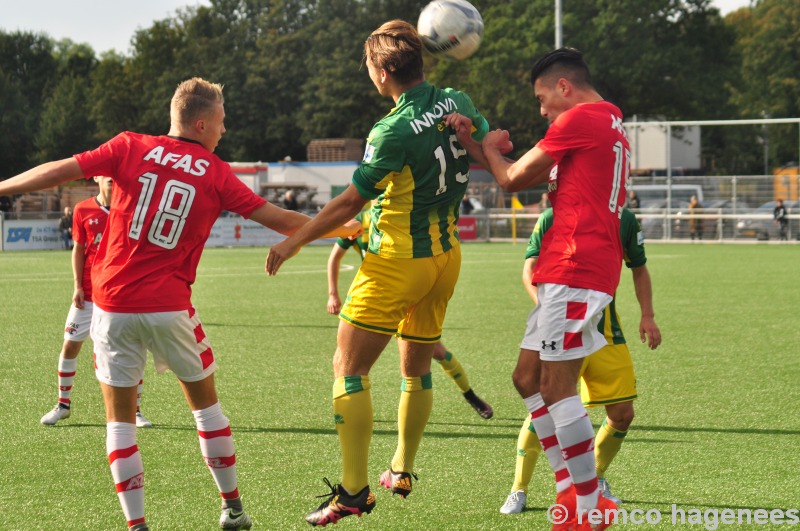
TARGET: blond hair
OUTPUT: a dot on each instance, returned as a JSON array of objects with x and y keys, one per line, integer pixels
[
  {"x": 193, "y": 99},
  {"x": 397, "y": 48}
]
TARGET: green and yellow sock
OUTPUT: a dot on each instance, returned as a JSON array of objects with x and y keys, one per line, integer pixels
[
  {"x": 416, "y": 403},
  {"x": 352, "y": 413},
  {"x": 606, "y": 445},
  {"x": 528, "y": 450},
  {"x": 453, "y": 369}
]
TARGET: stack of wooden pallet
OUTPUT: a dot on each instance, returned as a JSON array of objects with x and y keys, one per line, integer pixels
[{"x": 335, "y": 150}]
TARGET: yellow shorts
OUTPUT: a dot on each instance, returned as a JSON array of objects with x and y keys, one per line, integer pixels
[
  {"x": 403, "y": 296},
  {"x": 607, "y": 377}
]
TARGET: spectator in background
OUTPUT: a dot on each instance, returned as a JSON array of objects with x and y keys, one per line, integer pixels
[
  {"x": 633, "y": 200},
  {"x": 466, "y": 206},
  {"x": 780, "y": 218},
  {"x": 695, "y": 224},
  {"x": 5, "y": 204},
  {"x": 290, "y": 201},
  {"x": 544, "y": 202},
  {"x": 65, "y": 226}
]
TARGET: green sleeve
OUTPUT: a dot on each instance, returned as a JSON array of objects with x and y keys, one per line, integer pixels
[
  {"x": 383, "y": 156},
  {"x": 632, "y": 240},
  {"x": 543, "y": 224}
]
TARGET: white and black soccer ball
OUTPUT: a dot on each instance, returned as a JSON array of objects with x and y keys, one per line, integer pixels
[{"x": 450, "y": 27}]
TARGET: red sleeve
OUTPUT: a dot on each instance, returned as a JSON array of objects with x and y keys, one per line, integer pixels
[
  {"x": 100, "y": 161},
  {"x": 237, "y": 197}
]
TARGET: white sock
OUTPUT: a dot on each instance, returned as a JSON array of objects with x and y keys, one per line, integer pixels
[
  {"x": 576, "y": 439},
  {"x": 126, "y": 469},
  {"x": 66, "y": 375},
  {"x": 546, "y": 431},
  {"x": 216, "y": 445}
]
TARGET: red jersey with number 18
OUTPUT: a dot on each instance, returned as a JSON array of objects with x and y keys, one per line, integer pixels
[
  {"x": 587, "y": 191},
  {"x": 167, "y": 194},
  {"x": 88, "y": 224}
]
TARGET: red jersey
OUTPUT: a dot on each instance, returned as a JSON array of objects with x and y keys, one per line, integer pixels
[
  {"x": 587, "y": 191},
  {"x": 167, "y": 194},
  {"x": 88, "y": 223}
]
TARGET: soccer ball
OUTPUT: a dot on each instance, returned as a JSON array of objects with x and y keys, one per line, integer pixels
[{"x": 450, "y": 27}]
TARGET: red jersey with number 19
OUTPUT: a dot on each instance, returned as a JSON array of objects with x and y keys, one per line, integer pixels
[
  {"x": 88, "y": 224},
  {"x": 167, "y": 194},
  {"x": 587, "y": 191}
]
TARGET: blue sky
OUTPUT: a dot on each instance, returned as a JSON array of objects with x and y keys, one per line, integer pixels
[{"x": 107, "y": 24}]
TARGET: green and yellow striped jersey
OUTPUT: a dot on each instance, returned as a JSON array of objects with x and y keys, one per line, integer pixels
[
  {"x": 362, "y": 242},
  {"x": 634, "y": 256},
  {"x": 418, "y": 171}
]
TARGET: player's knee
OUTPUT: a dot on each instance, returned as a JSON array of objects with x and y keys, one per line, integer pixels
[
  {"x": 554, "y": 390},
  {"x": 621, "y": 416},
  {"x": 525, "y": 382},
  {"x": 71, "y": 349},
  {"x": 439, "y": 352}
]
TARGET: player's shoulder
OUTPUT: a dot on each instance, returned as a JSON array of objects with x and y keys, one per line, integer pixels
[
  {"x": 628, "y": 217},
  {"x": 83, "y": 203},
  {"x": 455, "y": 94},
  {"x": 543, "y": 223},
  {"x": 83, "y": 206},
  {"x": 589, "y": 111},
  {"x": 386, "y": 134}
]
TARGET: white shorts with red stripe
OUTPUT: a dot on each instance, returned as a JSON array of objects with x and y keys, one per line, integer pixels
[
  {"x": 79, "y": 320},
  {"x": 176, "y": 339},
  {"x": 563, "y": 326}
]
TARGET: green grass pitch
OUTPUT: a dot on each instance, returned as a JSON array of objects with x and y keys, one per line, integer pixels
[{"x": 716, "y": 427}]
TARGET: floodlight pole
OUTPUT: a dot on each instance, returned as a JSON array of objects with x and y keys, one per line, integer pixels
[{"x": 558, "y": 25}]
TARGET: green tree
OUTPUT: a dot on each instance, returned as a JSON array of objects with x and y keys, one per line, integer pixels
[
  {"x": 113, "y": 106},
  {"x": 26, "y": 72},
  {"x": 13, "y": 147},
  {"x": 338, "y": 97},
  {"x": 65, "y": 127},
  {"x": 768, "y": 82}
]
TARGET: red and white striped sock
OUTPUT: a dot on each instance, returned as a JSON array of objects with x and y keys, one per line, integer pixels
[
  {"x": 126, "y": 469},
  {"x": 216, "y": 445},
  {"x": 576, "y": 439},
  {"x": 546, "y": 431},
  {"x": 139, "y": 395},
  {"x": 66, "y": 375}
]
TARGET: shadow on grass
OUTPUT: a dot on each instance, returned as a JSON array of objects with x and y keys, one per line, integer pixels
[
  {"x": 744, "y": 431},
  {"x": 270, "y": 325},
  {"x": 688, "y": 506},
  {"x": 312, "y": 431},
  {"x": 513, "y": 430},
  {"x": 75, "y": 425}
]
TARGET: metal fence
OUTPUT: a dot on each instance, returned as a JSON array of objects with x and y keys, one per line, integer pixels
[
  {"x": 503, "y": 225},
  {"x": 734, "y": 209}
]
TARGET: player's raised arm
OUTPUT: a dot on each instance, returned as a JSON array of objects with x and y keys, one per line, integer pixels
[
  {"x": 43, "y": 176},
  {"x": 464, "y": 129},
  {"x": 531, "y": 169},
  {"x": 288, "y": 222},
  {"x": 340, "y": 211}
]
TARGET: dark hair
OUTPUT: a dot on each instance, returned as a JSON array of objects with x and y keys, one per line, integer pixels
[
  {"x": 564, "y": 62},
  {"x": 397, "y": 48}
]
